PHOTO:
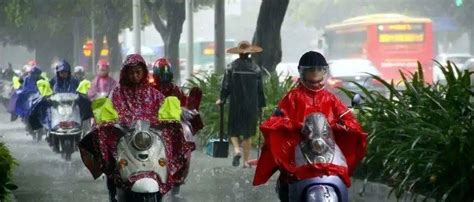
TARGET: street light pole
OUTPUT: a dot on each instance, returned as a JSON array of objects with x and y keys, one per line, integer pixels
[
  {"x": 93, "y": 37},
  {"x": 219, "y": 24},
  {"x": 190, "y": 38},
  {"x": 136, "y": 26}
]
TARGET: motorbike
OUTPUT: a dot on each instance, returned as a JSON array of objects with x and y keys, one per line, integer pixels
[
  {"x": 66, "y": 125},
  {"x": 141, "y": 162},
  {"x": 36, "y": 134},
  {"x": 320, "y": 146}
]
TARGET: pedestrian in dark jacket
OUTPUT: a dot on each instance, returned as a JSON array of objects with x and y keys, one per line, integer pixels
[{"x": 243, "y": 86}]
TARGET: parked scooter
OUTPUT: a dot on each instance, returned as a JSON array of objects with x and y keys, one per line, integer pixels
[
  {"x": 141, "y": 162},
  {"x": 66, "y": 128},
  {"x": 319, "y": 147}
]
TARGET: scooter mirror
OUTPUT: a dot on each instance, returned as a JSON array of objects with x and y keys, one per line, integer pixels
[{"x": 356, "y": 100}]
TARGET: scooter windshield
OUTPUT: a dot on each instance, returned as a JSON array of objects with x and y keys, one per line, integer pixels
[
  {"x": 65, "y": 109},
  {"x": 318, "y": 144}
]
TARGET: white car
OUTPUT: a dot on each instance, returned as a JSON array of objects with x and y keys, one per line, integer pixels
[
  {"x": 344, "y": 73},
  {"x": 285, "y": 70},
  {"x": 457, "y": 58},
  {"x": 469, "y": 65}
]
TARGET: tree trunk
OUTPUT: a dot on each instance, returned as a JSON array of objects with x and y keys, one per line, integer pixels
[
  {"x": 112, "y": 30},
  {"x": 172, "y": 53},
  {"x": 115, "y": 52},
  {"x": 170, "y": 29},
  {"x": 99, "y": 34},
  {"x": 176, "y": 16},
  {"x": 267, "y": 35}
]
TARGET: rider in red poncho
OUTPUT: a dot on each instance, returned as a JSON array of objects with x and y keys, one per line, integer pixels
[
  {"x": 163, "y": 80},
  {"x": 282, "y": 130}
]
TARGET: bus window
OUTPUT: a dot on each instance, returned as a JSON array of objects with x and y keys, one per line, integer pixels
[{"x": 346, "y": 44}]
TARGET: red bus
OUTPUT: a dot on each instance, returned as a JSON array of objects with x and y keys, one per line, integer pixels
[{"x": 392, "y": 42}]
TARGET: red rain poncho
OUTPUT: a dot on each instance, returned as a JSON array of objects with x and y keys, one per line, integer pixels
[
  {"x": 282, "y": 135},
  {"x": 170, "y": 89}
]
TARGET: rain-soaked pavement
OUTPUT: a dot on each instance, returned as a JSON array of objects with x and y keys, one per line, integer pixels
[{"x": 43, "y": 175}]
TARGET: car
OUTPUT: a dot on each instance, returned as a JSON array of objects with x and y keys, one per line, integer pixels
[
  {"x": 344, "y": 73},
  {"x": 469, "y": 65},
  {"x": 341, "y": 73},
  {"x": 457, "y": 58},
  {"x": 285, "y": 70}
]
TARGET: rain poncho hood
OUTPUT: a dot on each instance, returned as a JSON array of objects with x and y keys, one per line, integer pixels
[
  {"x": 102, "y": 83},
  {"x": 136, "y": 102},
  {"x": 29, "y": 84},
  {"x": 67, "y": 85},
  {"x": 63, "y": 65},
  {"x": 21, "y": 102}
]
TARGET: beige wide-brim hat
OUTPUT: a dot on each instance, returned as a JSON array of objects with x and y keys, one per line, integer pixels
[{"x": 245, "y": 47}]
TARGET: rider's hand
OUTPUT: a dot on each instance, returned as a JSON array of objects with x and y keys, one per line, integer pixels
[
  {"x": 339, "y": 125},
  {"x": 278, "y": 112},
  {"x": 219, "y": 102}
]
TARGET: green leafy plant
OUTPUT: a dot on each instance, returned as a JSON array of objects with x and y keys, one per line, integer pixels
[
  {"x": 421, "y": 138},
  {"x": 210, "y": 86},
  {"x": 7, "y": 163},
  {"x": 274, "y": 90}
]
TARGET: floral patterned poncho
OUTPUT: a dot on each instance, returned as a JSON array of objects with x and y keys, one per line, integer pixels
[{"x": 132, "y": 103}]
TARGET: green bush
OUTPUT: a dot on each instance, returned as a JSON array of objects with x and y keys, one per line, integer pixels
[
  {"x": 211, "y": 85},
  {"x": 6, "y": 167},
  {"x": 274, "y": 90},
  {"x": 421, "y": 138}
]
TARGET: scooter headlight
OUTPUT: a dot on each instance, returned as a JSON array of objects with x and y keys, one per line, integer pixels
[
  {"x": 142, "y": 141},
  {"x": 319, "y": 146}
]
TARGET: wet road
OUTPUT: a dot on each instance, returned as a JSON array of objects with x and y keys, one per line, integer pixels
[{"x": 43, "y": 175}]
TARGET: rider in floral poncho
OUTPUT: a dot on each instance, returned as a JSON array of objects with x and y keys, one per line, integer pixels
[{"x": 133, "y": 99}]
